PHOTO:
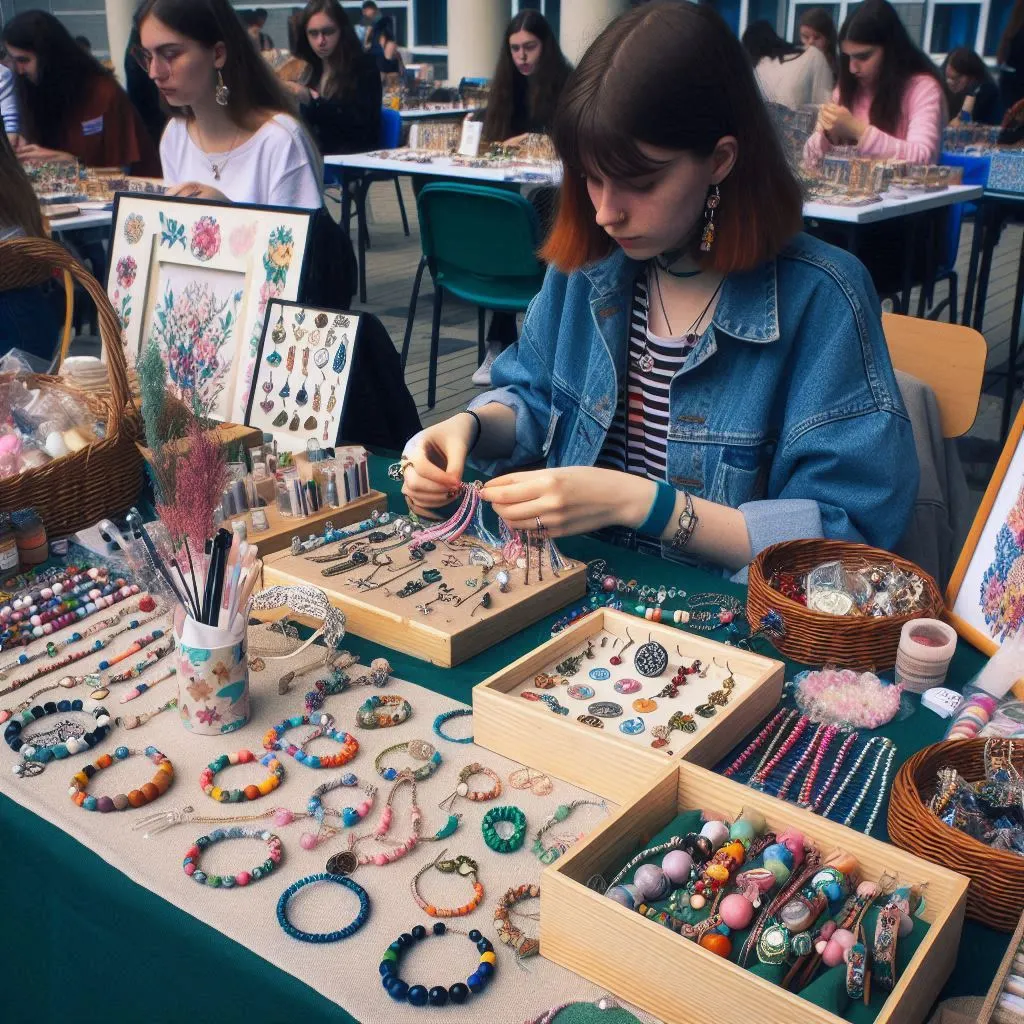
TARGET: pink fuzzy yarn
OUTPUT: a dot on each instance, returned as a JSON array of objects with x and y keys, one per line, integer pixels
[{"x": 851, "y": 700}]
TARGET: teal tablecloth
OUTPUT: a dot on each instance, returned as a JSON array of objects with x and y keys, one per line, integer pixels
[{"x": 84, "y": 943}]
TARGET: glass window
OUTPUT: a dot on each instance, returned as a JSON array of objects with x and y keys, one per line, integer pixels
[
  {"x": 770, "y": 11},
  {"x": 431, "y": 23},
  {"x": 998, "y": 17},
  {"x": 913, "y": 17},
  {"x": 954, "y": 25}
]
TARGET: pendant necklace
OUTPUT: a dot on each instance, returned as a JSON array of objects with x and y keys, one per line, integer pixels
[
  {"x": 645, "y": 361},
  {"x": 217, "y": 167}
]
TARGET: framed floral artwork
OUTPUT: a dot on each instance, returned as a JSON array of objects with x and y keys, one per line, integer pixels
[
  {"x": 985, "y": 596},
  {"x": 195, "y": 277},
  {"x": 303, "y": 367}
]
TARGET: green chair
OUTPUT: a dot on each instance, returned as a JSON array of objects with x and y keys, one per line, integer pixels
[{"x": 480, "y": 244}]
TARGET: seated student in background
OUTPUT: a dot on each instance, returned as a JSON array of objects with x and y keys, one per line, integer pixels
[
  {"x": 70, "y": 103},
  {"x": 342, "y": 95},
  {"x": 695, "y": 372},
  {"x": 890, "y": 101},
  {"x": 974, "y": 90},
  {"x": 9, "y": 112},
  {"x": 787, "y": 74},
  {"x": 817, "y": 29},
  {"x": 233, "y": 134}
]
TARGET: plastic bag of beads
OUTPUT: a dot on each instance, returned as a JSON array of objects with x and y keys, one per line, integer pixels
[{"x": 828, "y": 590}]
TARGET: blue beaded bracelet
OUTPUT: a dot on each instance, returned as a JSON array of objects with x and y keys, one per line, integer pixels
[
  {"x": 420, "y": 995},
  {"x": 58, "y": 751},
  {"x": 447, "y": 716},
  {"x": 341, "y": 933}
]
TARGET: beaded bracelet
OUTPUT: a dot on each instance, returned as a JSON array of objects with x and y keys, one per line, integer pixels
[
  {"x": 27, "y": 600},
  {"x": 73, "y": 745},
  {"x": 461, "y": 865},
  {"x": 549, "y": 854},
  {"x": 476, "y": 795},
  {"x": 252, "y": 791},
  {"x": 756, "y": 743},
  {"x": 191, "y": 861},
  {"x": 319, "y": 937},
  {"x": 418, "y": 995},
  {"x": 508, "y": 933},
  {"x": 418, "y": 750},
  {"x": 514, "y": 839},
  {"x": 371, "y": 713},
  {"x": 324, "y": 726},
  {"x": 348, "y": 816},
  {"x": 446, "y": 716},
  {"x": 121, "y": 802}
]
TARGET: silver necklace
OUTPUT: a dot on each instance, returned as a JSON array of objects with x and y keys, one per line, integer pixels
[
  {"x": 645, "y": 361},
  {"x": 215, "y": 167}
]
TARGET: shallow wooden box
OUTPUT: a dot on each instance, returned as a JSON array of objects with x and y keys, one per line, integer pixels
[
  {"x": 987, "y": 1013},
  {"x": 601, "y": 760},
  {"x": 674, "y": 978},
  {"x": 450, "y": 635}
]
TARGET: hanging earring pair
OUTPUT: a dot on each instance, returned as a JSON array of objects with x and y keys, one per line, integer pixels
[
  {"x": 707, "y": 237},
  {"x": 222, "y": 93}
]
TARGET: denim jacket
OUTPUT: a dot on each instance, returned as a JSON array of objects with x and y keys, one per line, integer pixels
[{"x": 786, "y": 409}]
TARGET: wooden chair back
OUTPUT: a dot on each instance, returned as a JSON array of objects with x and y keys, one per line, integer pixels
[{"x": 949, "y": 358}]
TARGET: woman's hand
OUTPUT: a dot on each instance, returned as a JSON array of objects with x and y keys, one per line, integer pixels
[
  {"x": 569, "y": 501},
  {"x": 195, "y": 190},
  {"x": 436, "y": 460},
  {"x": 837, "y": 122}
]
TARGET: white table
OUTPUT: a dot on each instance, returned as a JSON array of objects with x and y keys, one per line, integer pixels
[
  {"x": 86, "y": 219},
  {"x": 443, "y": 166},
  {"x": 437, "y": 113},
  {"x": 890, "y": 207}
]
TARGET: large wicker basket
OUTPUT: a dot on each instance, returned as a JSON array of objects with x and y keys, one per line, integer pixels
[
  {"x": 996, "y": 893},
  {"x": 103, "y": 478},
  {"x": 815, "y": 638}
]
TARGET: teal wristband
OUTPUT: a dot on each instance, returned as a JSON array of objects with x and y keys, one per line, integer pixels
[{"x": 662, "y": 507}]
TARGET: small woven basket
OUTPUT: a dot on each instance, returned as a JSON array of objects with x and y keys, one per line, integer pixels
[
  {"x": 996, "y": 893},
  {"x": 103, "y": 478},
  {"x": 815, "y": 638}
]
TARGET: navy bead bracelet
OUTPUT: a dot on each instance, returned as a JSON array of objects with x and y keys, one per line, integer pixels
[{"x": 341, "y": 933}]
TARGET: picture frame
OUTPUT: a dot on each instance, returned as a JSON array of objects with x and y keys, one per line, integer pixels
[
  {"x": 300, "y": 342},
  {"x": 209, "y": 268},
  {"x": 985, "y": 595}
]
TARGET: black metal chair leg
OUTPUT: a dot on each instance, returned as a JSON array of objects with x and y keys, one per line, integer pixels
[
  {"x": 412, "y": 310},
  {"x": 363, "y": 238},
  {"x": 435, "y": 340},
  {"x": 401, "y": 205}
]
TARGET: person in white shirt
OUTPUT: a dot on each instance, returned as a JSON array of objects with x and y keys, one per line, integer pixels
[
  {"x": 9, "y": 107},
  {"x": 786, "y": 73},
  {"x": 233, "y": 134}
]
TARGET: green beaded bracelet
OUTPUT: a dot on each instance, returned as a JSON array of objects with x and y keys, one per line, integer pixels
[{"x": 514, "y": 840}]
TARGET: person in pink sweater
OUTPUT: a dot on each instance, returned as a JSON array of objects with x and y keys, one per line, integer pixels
[{"x": 889, "y": 101}]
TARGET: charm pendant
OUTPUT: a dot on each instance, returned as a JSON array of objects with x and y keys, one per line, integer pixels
[
  {"x": 277, "y": 335},
  {"x": 321, "y": 358},
  {"x": 310, "y": 424},
  {"x": 281, "y": 419},
  {"x": 294, "y": 424},
  {"x": 605, "y": 709},
  {"x": 266, "y": 405},
  {"x": 594, "y": 723},
  {"x": 316, "y": 399},
  {"x": 302, "y": 395},
  {"x": 216, "y": 171},
  {"x": 646, "y": 362},
  {"x": 339, "y": 359},
  {"x": 651, "y": 659},
  {"x": 320, "y": 320},
  {"x": 632, "y": 726},
  {"x": 286, "y": 390},
  {"x": 274, "y": 359}
]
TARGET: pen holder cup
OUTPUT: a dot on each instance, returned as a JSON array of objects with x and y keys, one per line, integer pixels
[{"x": 213, "y": 676}]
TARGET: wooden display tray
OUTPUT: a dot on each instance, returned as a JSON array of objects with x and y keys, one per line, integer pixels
[
  {"x": 450, "y": 635},
  {"x": 283, "y": 528},
  {"x": 677, "y": 980},
  {"x": 602, "y": 760},
  {"x": 996, "y": 988}
]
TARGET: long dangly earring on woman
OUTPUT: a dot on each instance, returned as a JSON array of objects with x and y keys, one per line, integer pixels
[
  {"x": 707, "y": 238},
  {"x": 222, "y": 93}
]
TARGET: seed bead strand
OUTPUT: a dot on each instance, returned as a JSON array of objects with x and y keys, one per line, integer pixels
[
  {"x": 804, "y": 799},
  {"x": 252, "y": 791},
  {"x": 778, "y": 738},
  {"x": 761, "y": 776},
  {"x": 756, "y": 744},
  {"x": 884, "y": 748},
  {"x": 853, "y": 771},
  {"x": 834, "y": 771},
  {"x": 883, "y": 788},
  {"x": 27, "y": 601},
  {"x": 801, "y": 762},
  {"x": 465, "y": 866},
  {"x": 145, "y": 794}
]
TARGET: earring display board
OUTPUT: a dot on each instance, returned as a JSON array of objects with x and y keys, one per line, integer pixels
[
  {"x": 655, "y": 694},
  {"x": 303, "y": 368},
  {"x": 195, "y": 277},
  {"x": 629, "y": 954},
  {"x": 461, "y": 613}
]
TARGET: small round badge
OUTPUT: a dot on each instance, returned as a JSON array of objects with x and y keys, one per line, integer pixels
[
  {"x": 600, "y": 674},
  {"x": 632, "y": 726},
  {"x": 628, "y": 686},
  {"x": 651, "y": 659},
  {"x": 644, "y": 705},
  {"x": 594, "y": 723},
  {"x": 605, "y": 709},
  {"x": 580, "y": 691}
]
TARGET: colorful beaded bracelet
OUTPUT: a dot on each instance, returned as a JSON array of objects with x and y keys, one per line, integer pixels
[
  {"x": 372, "y": 713},
  {"x": 191, "y": 862},
  {"x": 507, "y": 931},
  {"x": 323, "y": 726},
  {"x": 348, "y": 816},
  {"x": 73, "y": 745},
  {"x": 461, "y": 865},
  {"x": 419, "y": 995},
  {"x": 252, "y": 791},
  {"x": 335, "y": 936},
  {"x": 418, "y": 750},
  {"x": 121, "y": 802},
  {"x": 514, "y": 839},
  {"x": 447, "y": 716},
  {"x": 476, "y": 795}
]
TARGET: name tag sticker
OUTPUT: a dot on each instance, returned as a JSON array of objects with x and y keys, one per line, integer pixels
[{"x": 93, "y": 127}]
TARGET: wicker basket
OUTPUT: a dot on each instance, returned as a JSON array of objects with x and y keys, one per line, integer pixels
[
  {"x": 104, "y": 478},
  {"x": 814, "y": 638},
  {"x": 996, "y": 893}
]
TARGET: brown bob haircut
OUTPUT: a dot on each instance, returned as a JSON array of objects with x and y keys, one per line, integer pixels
[{"x": 671, "y": 75}]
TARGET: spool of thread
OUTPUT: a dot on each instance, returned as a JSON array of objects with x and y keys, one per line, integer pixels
[
  {"x": 30, "y": 536},
  {"x": 975, "y": 714},
  {"x": 926, "y": 648}
]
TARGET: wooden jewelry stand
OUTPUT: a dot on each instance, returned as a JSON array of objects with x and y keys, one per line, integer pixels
[{"x": 448, "y": 634}]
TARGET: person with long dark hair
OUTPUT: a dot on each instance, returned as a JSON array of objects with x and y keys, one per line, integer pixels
[
  {"x": 528, "y": 81},
  {"x": 1010, "y": 58},
  {"x": 974, "y": 93},
  {"x": 342, "y": 95},
  {"x": 890, "y": 101},
  {"x": 233, "y": 134},
  {"x": 786, "y": 73},
  {"x": 817, "y": 29},
  {"x": 695, "y": 374},
  {"x": 70, "y": 103}
]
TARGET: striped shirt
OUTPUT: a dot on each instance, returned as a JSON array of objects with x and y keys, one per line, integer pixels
[
  {"x": 638, "y": 439},
  {"x": 8, "y": 102}
]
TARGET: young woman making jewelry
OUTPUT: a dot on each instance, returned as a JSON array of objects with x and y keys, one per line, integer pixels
[{"x": 672, "y": 372}]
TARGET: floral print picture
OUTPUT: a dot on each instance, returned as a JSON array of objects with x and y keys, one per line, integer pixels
[{"x": 196, "y": 277}]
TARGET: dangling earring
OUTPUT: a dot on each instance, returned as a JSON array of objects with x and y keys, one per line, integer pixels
[
  {"x": 222, "y": 93},
  {"x": 707, "y": 238}
]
